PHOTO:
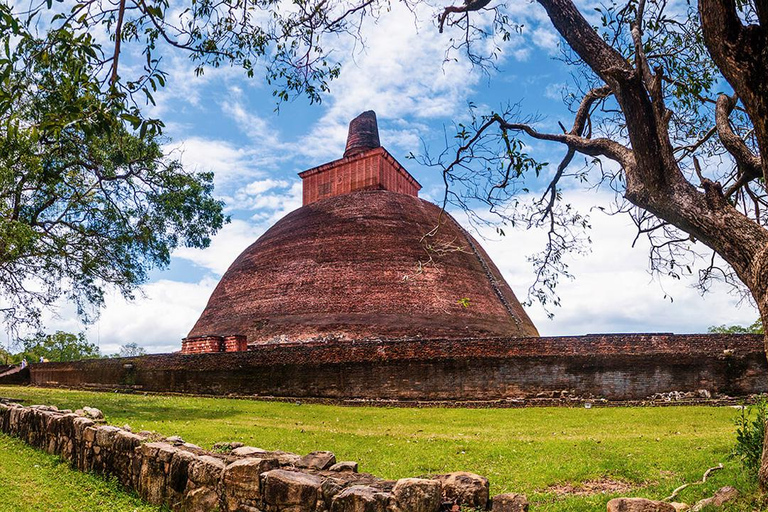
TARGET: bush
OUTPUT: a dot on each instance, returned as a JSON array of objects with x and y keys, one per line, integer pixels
[{"x": 750, "y": 432}]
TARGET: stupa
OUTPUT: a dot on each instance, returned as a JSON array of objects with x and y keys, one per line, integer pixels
[{"x": 364, "y": 257}]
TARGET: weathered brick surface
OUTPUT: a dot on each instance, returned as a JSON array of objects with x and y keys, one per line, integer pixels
[
  {"x": 363, "y": 134},
  {"x": 211, "y": 344},
  {"x": 372, "y": 169},
  {"x": 203, "y": 345},
  {"x": 234, "y": 343},
  {"x": 14, "y": 375},
  {"x": 356, "y": 266},
  {"x": 620, "y": 366}
]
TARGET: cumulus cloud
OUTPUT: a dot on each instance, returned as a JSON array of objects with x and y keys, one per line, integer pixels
[
  {"x": 229, "y": 162},
  {"x": 162, "y": 313},
  {"x": 612, "y": 290},
  {"x": 225, "y": 247}
]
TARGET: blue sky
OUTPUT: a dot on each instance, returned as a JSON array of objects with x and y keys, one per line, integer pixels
[{"x": 226, "y": 123}]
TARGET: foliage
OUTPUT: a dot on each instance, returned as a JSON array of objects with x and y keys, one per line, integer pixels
[
  {"x": 755, "y": 328},
  {"x": 527, "y": 450},
  {"x": 6, "y": 357},
  {"x": 130, "y": 350},
  {"x": 87, "y": 198},
  {"x": 750, "y": 435},
  {"x": 60, "y": 346}
]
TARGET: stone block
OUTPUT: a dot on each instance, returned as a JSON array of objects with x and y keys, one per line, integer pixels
[
  {"x": 206, "y": 470},
  {"x": 92, "y": 413},
  {"x": 466, "y": 489},
  {"x": 178, "y": 475},
  {"x": 79, "y": 424},
  {"x": 249, "y": 451},
  {"x": 201, "y": 499},
  {"x": 416, "y": 495},
  {"x": 509, "y": 503},
  {"x": 361, "y": 498},
  {"x": 287, "y": 458},
  {"x": 241, "y": 484},
  {"x": 126, "y": 442},
  {"x": 317, "y": 460},
  {"x": 638, "y": 505},
  {"x": 345, "y": 466},
  {"x": 105, "y": 436},
  {"x": 155, "y": 465},
  {"x": 89, "y": 434},
  {"x": 292, "y": 491}
]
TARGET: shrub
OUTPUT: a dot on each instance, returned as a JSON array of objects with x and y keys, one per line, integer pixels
[{"x": 750, "y": 432}]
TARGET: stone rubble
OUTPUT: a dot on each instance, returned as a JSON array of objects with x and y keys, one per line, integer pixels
[
  {"x": 638, "y": 505},
  {"x": 182, "y": 476}
]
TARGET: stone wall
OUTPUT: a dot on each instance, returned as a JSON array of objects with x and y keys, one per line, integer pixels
[
  {"x": 182, "y": 476},
  {"x": 614, "y": 367}
]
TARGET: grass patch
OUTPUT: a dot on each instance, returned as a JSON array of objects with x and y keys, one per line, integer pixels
[
  {"x": 31, "y": 480},
  {"x": 536, "y": 451}
]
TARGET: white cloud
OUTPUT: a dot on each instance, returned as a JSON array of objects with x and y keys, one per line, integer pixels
[
  {"x": 255, "y": 127},
  {"x": 229, "y": 163},
  {"x": 401, "y": 73},
  {"x": 157, "y": 321},
  {"x": 162, "y": 313},
  {"x": 612, "y": 291},
  {"x": 554, "y": 91},
  {"x": 546, "y": 38},
  {"x": 225, "y": 247}
]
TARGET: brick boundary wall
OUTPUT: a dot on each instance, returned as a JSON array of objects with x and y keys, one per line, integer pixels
[
  {"x": 15, "y": 375},
  {"x": 181, "y": 476},
  {"x": 614, "y": 367}
]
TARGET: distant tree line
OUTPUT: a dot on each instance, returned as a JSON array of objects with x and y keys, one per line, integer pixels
[
  {"x": 62, "y": 346},
  {"x": 755, "y": 328}
]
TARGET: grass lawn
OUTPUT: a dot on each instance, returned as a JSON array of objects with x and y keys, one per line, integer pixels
[
  {"x": 536, "y": 451},
  {"x": 31, "y": 480}
]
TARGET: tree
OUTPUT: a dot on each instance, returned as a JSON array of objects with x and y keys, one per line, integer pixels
[
  {"x": 87, "y": 198},
  {"x": 691, "y": 162},
  {"x": 60, "y": 346},
  {"x": 755, "y": 328},
  {"x": 130, "y": 350}
]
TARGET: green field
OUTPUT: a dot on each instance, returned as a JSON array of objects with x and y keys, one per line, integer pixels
[
  {"x": 31, "y": 480},
  {"x": 561, "y": 458}
]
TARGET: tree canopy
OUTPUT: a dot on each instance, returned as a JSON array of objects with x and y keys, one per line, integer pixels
[
  {"x": 87, "y": 198},
  {"x": 60, "y": 346},
  {"x": 130, "y": 350},
  {"x": 755, "y": 328}
]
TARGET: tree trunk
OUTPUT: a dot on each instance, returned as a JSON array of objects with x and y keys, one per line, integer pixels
[{"x": 654, "y": 180}]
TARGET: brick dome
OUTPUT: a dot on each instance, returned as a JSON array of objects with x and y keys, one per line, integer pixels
[{"x": 358, "y": 265}]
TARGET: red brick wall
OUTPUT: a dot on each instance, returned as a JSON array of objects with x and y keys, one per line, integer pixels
[
  {"x": 201, "y": 345},
  {"x": 234, "y": 343},
  {"x": 373, "y": 169},
  {"x": 618, "y": 367}
]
